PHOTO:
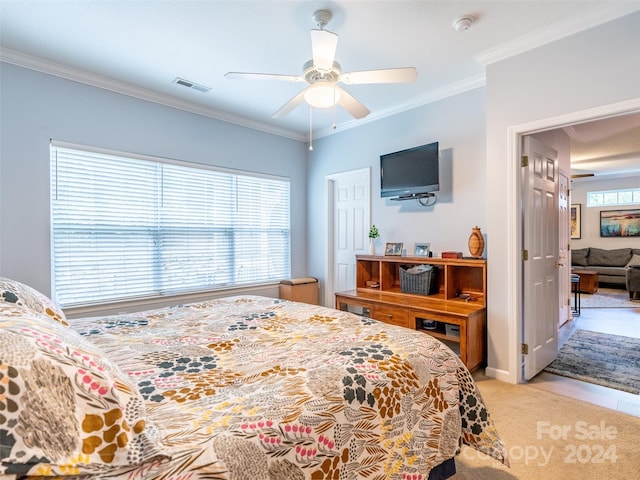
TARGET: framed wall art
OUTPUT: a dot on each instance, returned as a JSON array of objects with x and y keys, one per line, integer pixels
[
  {"x": 620, "y": 223},
  {"x": 576, "y": 228}
]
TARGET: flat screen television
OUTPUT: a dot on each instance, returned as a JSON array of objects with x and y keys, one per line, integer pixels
[{"x": 410, "y": 173}]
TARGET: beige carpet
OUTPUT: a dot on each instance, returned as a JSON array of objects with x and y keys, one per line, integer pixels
[{"x": 549, "y": 436}]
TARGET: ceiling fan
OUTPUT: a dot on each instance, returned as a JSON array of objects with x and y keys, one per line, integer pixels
[
  {"x": 575, "y": 173},
  {"x": 583, "y": 175},
  {"x": 323, "y": 73}
]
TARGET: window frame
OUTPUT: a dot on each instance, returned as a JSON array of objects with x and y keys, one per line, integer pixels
[
  {"x": 635, "y": 197},
  {"x": 283, "y": 248}
]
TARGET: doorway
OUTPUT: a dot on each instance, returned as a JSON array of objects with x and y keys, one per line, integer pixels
[
  {"x": 516, "y": 135},
  {"x": 348, "y": 221}
]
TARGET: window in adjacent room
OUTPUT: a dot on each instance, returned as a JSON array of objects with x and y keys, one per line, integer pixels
[
  {"x": 127, "y": 227},
  {"x": 613, "y": 197}
]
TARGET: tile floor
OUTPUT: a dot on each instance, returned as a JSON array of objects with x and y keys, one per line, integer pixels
[{"x": 615, "y": 321}]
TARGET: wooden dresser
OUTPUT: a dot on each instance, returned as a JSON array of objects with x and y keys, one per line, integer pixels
[{"x": 456, "y": 314}]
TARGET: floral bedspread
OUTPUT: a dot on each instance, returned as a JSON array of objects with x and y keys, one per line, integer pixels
[{"x": 259, "y": 388}]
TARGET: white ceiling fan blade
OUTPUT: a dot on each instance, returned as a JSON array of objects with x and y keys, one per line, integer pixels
[
  {"x": 583, "y": 175},
  {"x": 387, "y": 75},
  {"x": 290, "y": 105},
  {"x": 576, "y": 173},
  {"x": 263, "y": 76},
  {"x": 351, "y": 105},
  {"x": 323, "y": 46}
]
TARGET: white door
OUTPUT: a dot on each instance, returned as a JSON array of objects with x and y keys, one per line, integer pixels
[
  {"x": 350, "y": 218},
  {"x": 540, "y": 255},
  {"x": 564, "y": 259}
]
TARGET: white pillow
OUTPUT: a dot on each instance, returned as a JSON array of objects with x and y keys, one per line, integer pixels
[{"x": 635, "y": 261}]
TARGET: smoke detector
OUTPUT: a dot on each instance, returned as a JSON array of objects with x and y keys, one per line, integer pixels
[{"x": 463, "y": 23}]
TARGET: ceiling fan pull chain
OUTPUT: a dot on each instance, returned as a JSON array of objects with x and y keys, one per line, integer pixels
[
  {"x": 310, "y": 128},
  {"x": 335, "y": 100}
]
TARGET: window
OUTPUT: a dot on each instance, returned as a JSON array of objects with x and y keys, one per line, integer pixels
[
  {"x": 126, "y": 227},
  {"x": 613, "y": 197}
]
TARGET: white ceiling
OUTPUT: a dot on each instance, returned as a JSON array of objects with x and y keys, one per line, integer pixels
[
  {"x": 140, "y": 47},
  {"x": 608, "y": 146}
]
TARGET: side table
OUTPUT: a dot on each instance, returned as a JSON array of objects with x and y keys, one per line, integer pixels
[{"x": 588, "y": 280}]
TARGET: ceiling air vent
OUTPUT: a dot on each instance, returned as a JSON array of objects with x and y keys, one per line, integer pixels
[{"x": 194, "y": 86}]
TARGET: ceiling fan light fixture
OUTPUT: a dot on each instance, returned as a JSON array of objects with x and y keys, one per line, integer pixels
[{"x": 322, "y": 95}]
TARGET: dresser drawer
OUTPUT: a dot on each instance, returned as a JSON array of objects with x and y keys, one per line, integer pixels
[
  {"x": 347, "y": 304},
  {"x": 393, "y": 315}
]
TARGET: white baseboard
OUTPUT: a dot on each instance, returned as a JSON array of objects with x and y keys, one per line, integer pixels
[{"x": 502, "y": 375}]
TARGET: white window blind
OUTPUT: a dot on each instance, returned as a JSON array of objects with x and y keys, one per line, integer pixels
[{"x": 126, "y": 228}]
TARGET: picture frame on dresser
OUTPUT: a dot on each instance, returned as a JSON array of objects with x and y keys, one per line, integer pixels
[
  {"x": 394, "y": 249},
  {"x": 575, "y": 217},
  {"x": 421, "y": 250}
]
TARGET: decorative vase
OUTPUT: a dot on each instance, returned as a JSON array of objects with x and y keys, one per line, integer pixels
[
  {"x": 372, "y": 248},
  {"x": 476, "y": 242}
]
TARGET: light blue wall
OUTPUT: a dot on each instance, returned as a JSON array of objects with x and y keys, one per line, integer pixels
[
  {"x": 36, "y": 107},
  {"x": 458, "y": 124}
]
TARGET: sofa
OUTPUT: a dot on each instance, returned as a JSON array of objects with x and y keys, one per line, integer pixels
[
  {"x": 611, "y": 265},
  {"x": 633, "y": 281}
]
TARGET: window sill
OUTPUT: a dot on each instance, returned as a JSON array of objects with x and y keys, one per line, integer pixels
[{"x": 128, "y": 306}]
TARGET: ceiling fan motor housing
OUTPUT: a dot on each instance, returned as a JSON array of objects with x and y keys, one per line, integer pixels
[{"x": 312, "y": 74}]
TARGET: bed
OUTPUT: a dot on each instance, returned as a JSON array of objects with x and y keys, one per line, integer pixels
[{"x": 235, "y": 388}]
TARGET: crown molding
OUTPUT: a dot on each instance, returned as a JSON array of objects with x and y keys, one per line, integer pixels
[
  {"x": 592, "y": 18},
  {"x": 432, "y": 96},
  {"x": 56, "y": 69},
  {"x": 605, "y": 13}
]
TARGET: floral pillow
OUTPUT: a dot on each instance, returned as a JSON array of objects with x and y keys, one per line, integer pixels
[
  {"x": 21, "y": 294},
  {"x": 64, "y": 408}
]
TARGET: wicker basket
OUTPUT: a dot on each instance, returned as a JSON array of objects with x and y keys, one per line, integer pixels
[{"x": 423, "y": 283}]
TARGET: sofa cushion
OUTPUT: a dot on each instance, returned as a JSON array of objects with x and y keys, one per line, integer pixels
[
  {"x": 609, "y": 258},
  {"x": 579, "y": 257},
  {"x": 610, "y": 271},
  {"x": 635, "y": 261}
]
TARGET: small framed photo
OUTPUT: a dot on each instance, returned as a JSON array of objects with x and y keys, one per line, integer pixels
[
  {"x": 421, "y": 250},
  {"x": 393, "y": 249},
  {"x": 575, "y": 219}
]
